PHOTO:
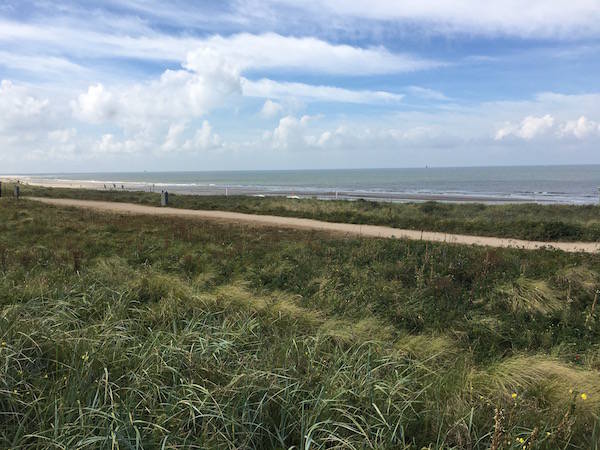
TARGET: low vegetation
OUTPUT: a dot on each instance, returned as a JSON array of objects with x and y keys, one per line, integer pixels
[
  {"x": 522, "y": 221},
  {"x": 153, "y": 332}
]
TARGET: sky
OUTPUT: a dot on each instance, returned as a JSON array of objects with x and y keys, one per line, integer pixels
[{"x": 90, "y": 86}]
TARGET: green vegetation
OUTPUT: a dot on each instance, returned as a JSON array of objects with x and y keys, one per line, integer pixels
[
  {"x": 522, "y": 221},
  {"x": 150, "y": 332}
]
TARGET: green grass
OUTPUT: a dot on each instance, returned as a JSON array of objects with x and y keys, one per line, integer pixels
[
  {"x": 523, "y": 221},
  {"x": 153, "y": 332}
]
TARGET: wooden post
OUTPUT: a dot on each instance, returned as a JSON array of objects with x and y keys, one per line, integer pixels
[
  {"x": 164, "y": 198},
  {"x": 17, "y": 191}
]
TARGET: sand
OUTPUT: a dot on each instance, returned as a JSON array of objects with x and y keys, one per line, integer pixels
[
  {"x": 256, "y": 191},
  {"x": 375, "y": 231}
]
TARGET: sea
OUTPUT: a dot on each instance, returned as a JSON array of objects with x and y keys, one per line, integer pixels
[{"x": 576, "y": 184}]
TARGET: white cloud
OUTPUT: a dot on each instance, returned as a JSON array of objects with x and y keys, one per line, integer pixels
[
  {"x": 281, "y": 90},
  {"x": 18, "y": 107},
  {"x": 177, "y": 95},
  {"x": 62, "y": 136},
  {"x": 533, "y": 18},
  {"x": 95, "y": 105},
  {"x": 39, "y": 63},
  {"x": 580, "y": 128},
  {"x": 529, "y": 128},
  {"x": 307, "y": 54},
  {"x": 173, "y": 135},
  {"x": 426, "y": 93},
  {"x": 290, "y": 133},
  {"x": 313, "y": 133},
  {"x": 203, "y": 139},
  {"x": 271, "y": 109},
  {"x": 109, "y": 144},
  {"x": 245, "y": 51}
]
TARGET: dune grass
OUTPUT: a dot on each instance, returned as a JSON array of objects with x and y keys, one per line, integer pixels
[
  {"x": 153, "y": 332},
  {"x": 522, "y": 221}
]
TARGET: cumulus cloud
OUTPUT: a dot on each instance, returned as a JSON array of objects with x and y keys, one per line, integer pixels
[
  {"x": 176, "y": 94},
  {"x": 110, "y": 144},
  {"x": 529, "y": 128},
  {"x": 271, "y": 109},
  {"x": 290, "y": 133},
  {"x": 204, "y": 139},
  {"x": 173, "y": 136},
  {"x": 18, "y": 106},
  {"x": 308, "y": 133},
  {"x": 532, "y": 127},
  {"x": 95, "y": 105},
  {"x": 580, "y": 128}
]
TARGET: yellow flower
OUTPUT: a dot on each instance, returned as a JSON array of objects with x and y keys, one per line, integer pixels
[
  {"x": 514, "y": 395},
  {"x": 521, "y": 440},
  {"x": 3, "y": 344},
  {"x": 584, "y": 396}
]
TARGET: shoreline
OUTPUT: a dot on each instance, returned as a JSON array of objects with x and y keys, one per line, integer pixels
[{"x": 214, "y": 190}]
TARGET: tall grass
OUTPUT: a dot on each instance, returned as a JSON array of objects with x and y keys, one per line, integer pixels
[
  {"x": 525, "y": 221},
  {"x": 137, "y": 332}
]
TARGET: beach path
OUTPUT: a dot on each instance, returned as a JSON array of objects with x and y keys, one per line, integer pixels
[{"x": 375, "y": 231}]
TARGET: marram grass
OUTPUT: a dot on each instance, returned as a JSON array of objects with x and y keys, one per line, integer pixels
[
  {"x": 524, "y": 221},
  {"x": 141, "y": 332}
]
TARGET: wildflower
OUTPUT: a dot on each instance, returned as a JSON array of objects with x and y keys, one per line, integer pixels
[
  {"x": 3, "y": 344},
  {"x": 514, "y": 395},
  {"x": 584, "y": 396},
  {"x": 520, "y": 440},
  {"x": 570, "y": 391},
  {"x": 85, "y": 357}
]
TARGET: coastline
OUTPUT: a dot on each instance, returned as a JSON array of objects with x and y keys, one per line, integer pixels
[{"x": 210, "y": 190}]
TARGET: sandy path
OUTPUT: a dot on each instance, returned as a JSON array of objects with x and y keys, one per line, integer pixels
[{"x": 310, "y": 224}]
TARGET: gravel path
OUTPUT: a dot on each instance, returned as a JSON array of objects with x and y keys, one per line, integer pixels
[{"x": 310, "y": 224}]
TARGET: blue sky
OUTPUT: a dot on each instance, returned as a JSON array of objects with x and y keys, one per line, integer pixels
[{"x": 246, "y": 84}]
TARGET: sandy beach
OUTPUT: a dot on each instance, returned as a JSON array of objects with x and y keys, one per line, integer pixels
[{"x": 234, "y": 190}]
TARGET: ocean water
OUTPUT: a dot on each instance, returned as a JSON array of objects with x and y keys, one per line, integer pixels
[{"x": 545, "y": 184}]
